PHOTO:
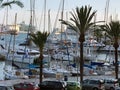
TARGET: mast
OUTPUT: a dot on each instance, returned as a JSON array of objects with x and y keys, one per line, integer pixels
[
  {"x": 49, "y": 22},
  {"x": 106, "y": 14},
  {"x": 14, "y": 32},
  {"x": 106, "y": 11},
  {"x": 62, "y": 15},
  {"x": 7, "y": 15},
  {"x": 44, "y": 15},
  {"x": 30, "y": 29}
]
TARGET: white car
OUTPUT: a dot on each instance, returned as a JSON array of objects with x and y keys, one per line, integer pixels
[{"x": 6, "y": 87}]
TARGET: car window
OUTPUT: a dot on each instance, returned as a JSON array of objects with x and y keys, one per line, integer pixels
[
  {"x": 52, "y": 83},
  {"x": 10, "y": 88},
  {"x": 71, "y": 84},
  {"x": 23, "y": 85},
  {"x": 94, "y": 82},
  {"x": 56, "y": 84},
  {"x": 3, "y": 88},
  {"x": 17, "y": 86},
  {"x": 44, "y": 83},
  {"x": 85, "y": 81},
  {"x": 111, "y": 81}
]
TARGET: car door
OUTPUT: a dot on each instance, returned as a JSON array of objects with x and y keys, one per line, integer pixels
[
  {"x": 85, "y": 84},
  {"x": 107, "y": 84},
  {"x": 91, "y": 84}
]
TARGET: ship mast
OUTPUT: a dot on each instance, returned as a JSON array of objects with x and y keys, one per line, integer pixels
[
  {"x": 62, "y": 15},
  {"x": 44, "y": 15},
  {"x": 106, "y": 11},
  {"x": 106, "y": 14}
]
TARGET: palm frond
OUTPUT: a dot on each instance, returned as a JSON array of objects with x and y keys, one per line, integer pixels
[
  {"x": 112, "y": 29},
  {"x": 81, "y": 19},
  {"x": 39, "y": 38},
  {"x": 15, "y": 2}
]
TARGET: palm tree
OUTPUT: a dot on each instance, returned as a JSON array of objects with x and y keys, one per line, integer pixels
[
  {"x": 98, "y": 34},
  {"x": 9, "y": 3},
  {"x": 81, "y": 22},
  {"x": 40, "y": 39},
  {"x": 113, "y": 32}
]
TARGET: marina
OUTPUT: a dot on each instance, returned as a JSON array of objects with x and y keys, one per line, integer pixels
[
  {"x": 60, "y": 51},
  {"x": 53, "y": 62}
]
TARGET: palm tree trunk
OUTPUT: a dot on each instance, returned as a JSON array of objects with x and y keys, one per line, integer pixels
[
  {"x": 41, "y": 66},
  {"x": 81, "y": 62},
  {"x": 116, "y": 63}
]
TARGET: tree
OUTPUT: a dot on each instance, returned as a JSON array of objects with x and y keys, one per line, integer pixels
[
  {"x": 9, "y": 3},
  {"x": 112, "y": 31},
  {"x": 81, "y": 22},
  {"x": 98, "y": 33},
  {"x": 40, "y": 39}
]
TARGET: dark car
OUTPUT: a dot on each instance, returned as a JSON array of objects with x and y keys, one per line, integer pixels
[
  {"x": 119, "y": 81},
  {"x": 93, "y": 84},
  {"x": 52, "y": 85}
]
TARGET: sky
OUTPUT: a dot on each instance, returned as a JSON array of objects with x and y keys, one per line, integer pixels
[{"x": 23, "y": 14}]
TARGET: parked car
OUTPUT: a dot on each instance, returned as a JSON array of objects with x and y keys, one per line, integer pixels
[
  {"x": 93, "y": 84},
  {"x": 111, "y": 84},
  {"x": 117, "y": 88},
  {"x": 24, "y": 86},
  {"x": 52, "y": 85},
  {"x": 119, "y": 81},
  {"x": 73, "y": 85},
  {"x": 6, "y": 87},
  {"x": 36, "y": 87}
]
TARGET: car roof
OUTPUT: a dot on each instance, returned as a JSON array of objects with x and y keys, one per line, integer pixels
[
  {"x": 53, "y": 81},
  {"x": 93, "y": 79},
  {"x": 110, "y": 78},
  {"x": 6, "y": 84},
  {"x": 73, "y": 82}
]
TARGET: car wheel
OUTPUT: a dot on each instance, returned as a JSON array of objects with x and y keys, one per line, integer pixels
[
  {"x": 95, "y": 88},
  {"x": 84, "y": 89},
  {"x": 78, "y": 88},
  {"x": 112, "y": 88}
]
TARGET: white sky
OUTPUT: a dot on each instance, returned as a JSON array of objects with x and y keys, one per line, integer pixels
[{"x": 24, "y": 13}]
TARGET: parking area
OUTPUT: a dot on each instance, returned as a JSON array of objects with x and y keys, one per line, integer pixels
[{"x": 76, "y": 79}]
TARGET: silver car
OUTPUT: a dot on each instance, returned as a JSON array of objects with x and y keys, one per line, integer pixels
[
  {"x": 93, "y": 84},
  {"x": 117, "y": 88},
  {"x": 111, "y": 84}
]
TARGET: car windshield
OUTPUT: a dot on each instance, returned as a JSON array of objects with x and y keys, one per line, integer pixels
[
  {"x": 52, "y": 83},
  {"x": 6, "y": 88},
  {"x": 94, "y": 82},
  {"x": 10, "y": 88},
  {"x": 71, "y": 83},
  {"x": 111, "y": 81},
  {"x": 2, "y": 88},
  {"x": 23, "y": 85}
]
